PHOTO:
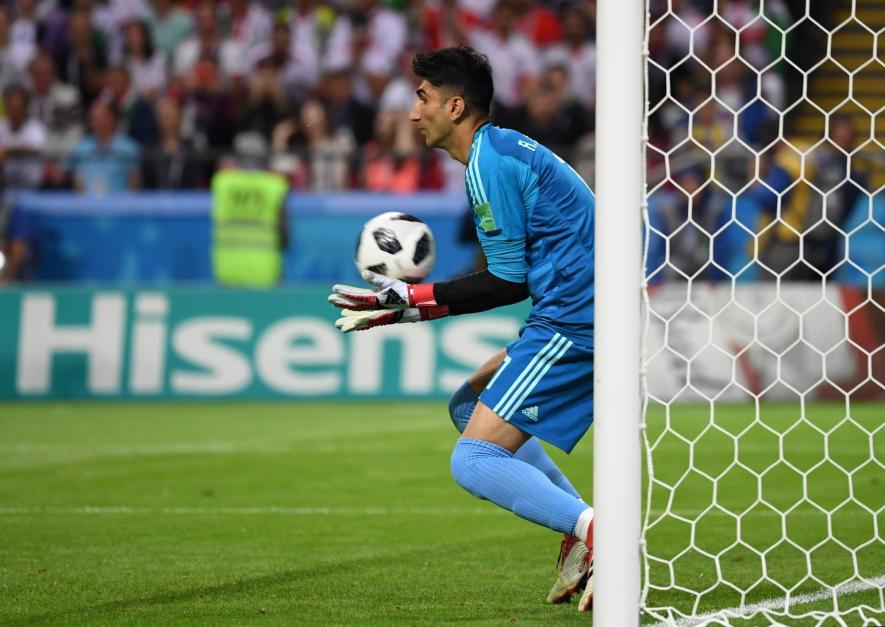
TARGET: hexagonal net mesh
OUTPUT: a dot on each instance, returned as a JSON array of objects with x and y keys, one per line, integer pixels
[{"x": 763, "y": 358}]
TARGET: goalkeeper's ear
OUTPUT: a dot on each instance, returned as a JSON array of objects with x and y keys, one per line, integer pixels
[{"x": 457, "y": 108}]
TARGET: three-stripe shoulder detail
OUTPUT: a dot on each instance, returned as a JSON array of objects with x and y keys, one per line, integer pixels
[{"x": 474, "y": 180}]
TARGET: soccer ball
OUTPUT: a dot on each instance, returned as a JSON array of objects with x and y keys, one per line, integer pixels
[{"x": 397, "y": 245}]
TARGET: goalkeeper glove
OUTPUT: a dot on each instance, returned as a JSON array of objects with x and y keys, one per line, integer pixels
[
  {"x": 388, "y": 294},
  {"x": 353, "y": 320}
]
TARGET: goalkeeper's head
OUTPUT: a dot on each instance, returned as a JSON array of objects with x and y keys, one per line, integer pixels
[{"x": 455, "y": 94}]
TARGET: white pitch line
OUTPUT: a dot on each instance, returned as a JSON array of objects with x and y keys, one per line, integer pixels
[
  {"x": 300, "y": 511},
  {"x": 220, "y": 448},
  {"x": 38, "y": 452},
  {"x": 249, "y": 511},
  {"x": 748, "y": 611}
]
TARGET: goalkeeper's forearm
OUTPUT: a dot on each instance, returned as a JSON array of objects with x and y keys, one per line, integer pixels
[{"x": 478, "y": 291}]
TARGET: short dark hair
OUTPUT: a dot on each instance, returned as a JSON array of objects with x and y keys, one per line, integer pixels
[
  {"x": 461, "y": 69},
  {"x": 17, "y": 90},
  {"x": 108, "y": 106},
  {"x": 146, "y": 35}
]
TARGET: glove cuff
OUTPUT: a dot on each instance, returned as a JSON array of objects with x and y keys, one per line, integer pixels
[
  {"x": 433, "y": 312},
  {"x": 421, "y": 295}
]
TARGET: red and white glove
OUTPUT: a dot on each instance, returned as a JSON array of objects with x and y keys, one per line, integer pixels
[
  {"x": 352, "y": 320},
  {"x": 387, "y": 294},
  {"x": 391, "y": 302}
]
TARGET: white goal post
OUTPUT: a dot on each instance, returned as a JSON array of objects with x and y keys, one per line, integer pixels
[
  {"x": 739, "y": 408},
  {"x": 616, "y": 405}
]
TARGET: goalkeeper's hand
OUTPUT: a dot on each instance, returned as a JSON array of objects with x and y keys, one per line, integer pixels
[
  {"x": 354, "y": 320},
  {"x": 387, "y": 294}
]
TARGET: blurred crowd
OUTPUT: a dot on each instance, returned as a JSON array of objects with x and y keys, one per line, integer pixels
[
  {"x": 106, "y": 96},
  {"x": 737, "y": 188},
  {"x": 102, "y": 96}
]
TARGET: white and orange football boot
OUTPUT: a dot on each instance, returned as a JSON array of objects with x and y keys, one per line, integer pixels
[
  {"x": 586, "y": 602},
  {"x": 573, "y": 568}
]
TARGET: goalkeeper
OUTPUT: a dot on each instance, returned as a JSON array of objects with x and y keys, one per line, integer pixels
[{"x": 534, "y": 220}]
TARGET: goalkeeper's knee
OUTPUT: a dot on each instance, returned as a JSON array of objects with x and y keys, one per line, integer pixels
[{"x": 461, "y": 406}]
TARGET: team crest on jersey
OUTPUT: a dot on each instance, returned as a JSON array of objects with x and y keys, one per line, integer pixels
[{"x": 486, "y": 218}]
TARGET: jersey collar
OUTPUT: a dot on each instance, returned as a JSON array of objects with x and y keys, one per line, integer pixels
[{"x": 476, "y": 135}]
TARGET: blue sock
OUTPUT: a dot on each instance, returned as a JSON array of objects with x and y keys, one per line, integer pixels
[
  {"x": 490, "y": 472},
  {"x": 532, "y": 452},
  {"x": 461, "y": 406}
]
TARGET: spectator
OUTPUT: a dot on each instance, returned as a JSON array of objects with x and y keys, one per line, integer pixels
[
  {"x": 136, "y": 114},
  {"x": 578, "y": 54},
  {"x": 394, "y": 162},
  {"x": 678, "y": 37},
  {"x": 864, "y": 248},
  {"x": 399, "y": 93},
  {"x": 170, "y": 26},
  {"x": 305, "y": 20},
  {"x": 56, "y": 105},
  {"x": 369, "y": 40},
  {"x": 742, "y": 16},
  {"x": 209, "y": 111},
  {"x": 147, "y": 66},
  {"x": 174, "y": 162},
  {"x": 296, "y": 67},
  {"x": 14, "y": 55},
  {"x": 830, "y": 170},
  {"x": 783, "y": 199},
  {"x": 101, "y": 15},
  {"x": 266, "y": 103},
  {"x": 53, "y": 23},
  {"x": 513, "y": 58},
  {"x": 344, "y": 111},
  {"x": 477, "y": 12},
  {"x": 549, "y": 116},
  {"x": 668, "y": 125},
  {"x": 104, "y": 162},
  {"x": 247, "y": 23},
  {"x": 284, "y": 157},
  {"x": 123, "y": 12},
  {"x": 22, "y": 139},
  {"x": 24, "y": 28},
  {"x": 443, "y": 24},
  {"x": 328, "y": 151},
  {"x": 735, "y": 85},
  {"x": 538, "y": 23},
  {"x": 209, "y": 43},
  {"x": 660, "y": 54},
  {"x": 687, "y": 253},
  {"x": 83, "y": 59},
  {"x": 712, "y": 126}
]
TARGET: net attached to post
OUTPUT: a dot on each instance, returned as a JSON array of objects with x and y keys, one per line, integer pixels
[{"x": 765, "y": 313}]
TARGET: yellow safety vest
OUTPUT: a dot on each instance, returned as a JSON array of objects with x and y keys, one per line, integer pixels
[{"x": 245, "y": 227}]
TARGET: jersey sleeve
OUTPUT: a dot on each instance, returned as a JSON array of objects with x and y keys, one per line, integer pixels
[{"x": 499, "y": 211}]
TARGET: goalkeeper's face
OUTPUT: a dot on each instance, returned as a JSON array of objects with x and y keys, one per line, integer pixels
[{"x": 432, "y": 114}]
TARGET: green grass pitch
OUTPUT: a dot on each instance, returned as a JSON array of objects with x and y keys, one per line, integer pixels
[{"x": 345, "y": 513}]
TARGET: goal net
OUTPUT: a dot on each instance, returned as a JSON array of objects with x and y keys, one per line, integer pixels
[{"x": 764, "y": 313}]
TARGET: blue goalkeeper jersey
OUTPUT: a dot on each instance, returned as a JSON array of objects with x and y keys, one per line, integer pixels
[{"x": 534, "y": 219}]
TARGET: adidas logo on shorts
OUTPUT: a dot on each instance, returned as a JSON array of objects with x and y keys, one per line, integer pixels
[{"x": 531, "y": 413}]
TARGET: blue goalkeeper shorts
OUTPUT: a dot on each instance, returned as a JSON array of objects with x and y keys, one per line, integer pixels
[{"x": 544, "y": 386}]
